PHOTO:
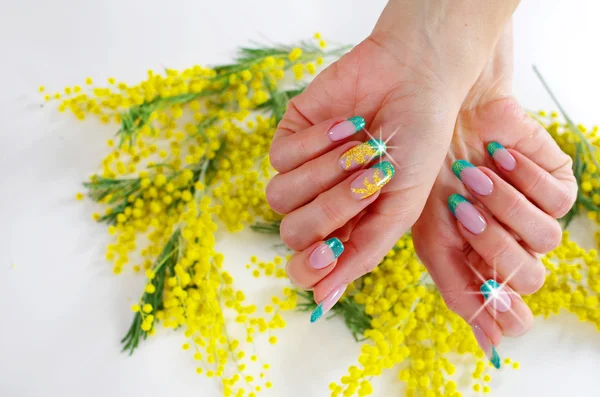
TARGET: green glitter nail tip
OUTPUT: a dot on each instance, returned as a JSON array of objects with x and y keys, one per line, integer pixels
[
  {"x": 492, "y": 147},
  {"x": 318, "y": 312},
  {"x": 386, "y": 167},
  {"x": 336, "y": 246},
  {"x": 487, "y": 287},
  {"x": 459, "y": 166},
  {"x": 495, "y": 359},
  {"x": 378, "y": 145},
  {"x": 359, "y": 122},
  {"x": 453, "y": 202}
]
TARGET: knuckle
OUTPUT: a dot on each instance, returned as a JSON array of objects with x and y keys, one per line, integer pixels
[
  {"x": 536, "y": 275},
  {"x": 314, "y": 175},
  {"x": 368, "y": 266},
  {"x": 497, "y": 251},
  {"x": 277, "y": 156},
  {"x": 453, "y": 300},
  {"x": 520, "y": 327},
  {"x": 515, "y": 205},
  {"x": 293, "y": 272},
  {"x": 331, "y": 212},
  {"x": 540, "y": 180},
  {"x": 289, "y": 234},
  {"x": 564, "y": 200},
  {"x": 275, "y": 197},
  {"x": 550, "y": 238}
]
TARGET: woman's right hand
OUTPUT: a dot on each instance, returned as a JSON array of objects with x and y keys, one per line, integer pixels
[{"x": 408, "y": 80}]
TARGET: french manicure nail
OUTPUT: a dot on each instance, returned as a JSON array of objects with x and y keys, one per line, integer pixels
[
  {"x": 327, "y": 303},
  {"x": 362, "y": 154},
  {"x": 496, "y": 295},
  {"x": 466, "y": 214},
  {"x": 325, "y": 253},
  {"x": 372, "y": 180},
  {"x": 346, "y": 128},
  {"x": 488, "y": 349},
  {"x": 501, "y": 156},
  {"x": 473, "y": 177}
]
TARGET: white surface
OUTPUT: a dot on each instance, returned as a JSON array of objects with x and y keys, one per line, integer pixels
[{"x": 63, "y": 312}]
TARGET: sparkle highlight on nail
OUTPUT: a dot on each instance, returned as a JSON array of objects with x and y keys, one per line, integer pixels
[
  {"x": 336, "y": 246},
  {"x": 362, "y": 154},
  {"x": 459, "y": 166},
  {"x": 489, "y": 287},
  {"x": 492, "y": 147},
  {"x": 359, "y": 122},
  {"x": 454, "y": 200}
]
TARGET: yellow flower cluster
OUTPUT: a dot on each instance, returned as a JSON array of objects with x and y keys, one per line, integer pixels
[
  {"x": 582, "y": 145},
  {"x": 411, "y": 325},
  {"x": 273, "y": 268},
  {"x": 573, "y": 283},
  {"x": 191, "y": 150}
]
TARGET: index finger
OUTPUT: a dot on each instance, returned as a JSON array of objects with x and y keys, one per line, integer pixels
[{"x": 291, "y": 149}]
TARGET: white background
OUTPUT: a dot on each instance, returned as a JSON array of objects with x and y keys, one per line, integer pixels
[{"x": 62, "y": 312}]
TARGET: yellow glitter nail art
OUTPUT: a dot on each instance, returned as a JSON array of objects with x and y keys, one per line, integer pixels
[
  {"x": 373, "y": 180},
  {"x": 362, "y": 154}
]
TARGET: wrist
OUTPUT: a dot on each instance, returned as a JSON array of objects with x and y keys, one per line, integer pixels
[{"x": 452, "y": 39}]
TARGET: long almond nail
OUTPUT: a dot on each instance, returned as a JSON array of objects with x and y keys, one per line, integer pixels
[
  {"x": 466, "y": 214},
  {"x": 362, "y": 154},
  {"x": 346, "y": 128},
  {"x": 501, "y": 156},
  {"x": 372, "y": 180},
  {"x": 327, "y": 303},
  {"x": 496, "y": 295},
  {"x": 488, "y": 349},
  {"x": 325, "y": 253},
  {"x": 473, "y": 177}
]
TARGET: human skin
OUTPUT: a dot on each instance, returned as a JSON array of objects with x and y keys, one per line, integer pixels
[{"x": 426, "y": 66}]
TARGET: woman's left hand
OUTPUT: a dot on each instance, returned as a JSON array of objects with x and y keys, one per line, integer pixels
[{"x": 515, "y": 196}]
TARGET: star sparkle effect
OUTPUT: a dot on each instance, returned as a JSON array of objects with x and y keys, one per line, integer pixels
[
  {"x": 385, "y": 147},
  {"x": 494, "y": 293}
]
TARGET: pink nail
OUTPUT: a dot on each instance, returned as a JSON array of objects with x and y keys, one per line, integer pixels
[
  {"x": 501, "y": 156},
  {"x": 488, "y": 349},
  {"x": 482, "y": 340},
  {"x": 325, "y": 253},
  {"x": 497, "y": 296},
  {"x": 466, "y": 214},
  {"x": 327, "y": 303},
  {"x": 473, "y": 177},
  {"x": 346, "y": 128}
]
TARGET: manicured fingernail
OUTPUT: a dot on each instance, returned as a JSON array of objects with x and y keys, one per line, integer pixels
[
  {"x": 327, "y": 303},
  {"x": 362, "y": 154},
  {"x": 466, "y": 214},
  {"x": 501, "y": 156},
  {"x": 496, "y": 295},
  {"x": 488, "y": 349},
  {"x": 372, "y": 180},
  {"x": 325, "y": 253},
  {"x": 473, "y": 177},
  {"x": 346, "y": 128}
]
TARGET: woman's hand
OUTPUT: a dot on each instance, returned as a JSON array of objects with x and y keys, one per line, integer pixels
[
  {"x": 516, "y": 194},
  {"x": 407, "y": 80}
]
